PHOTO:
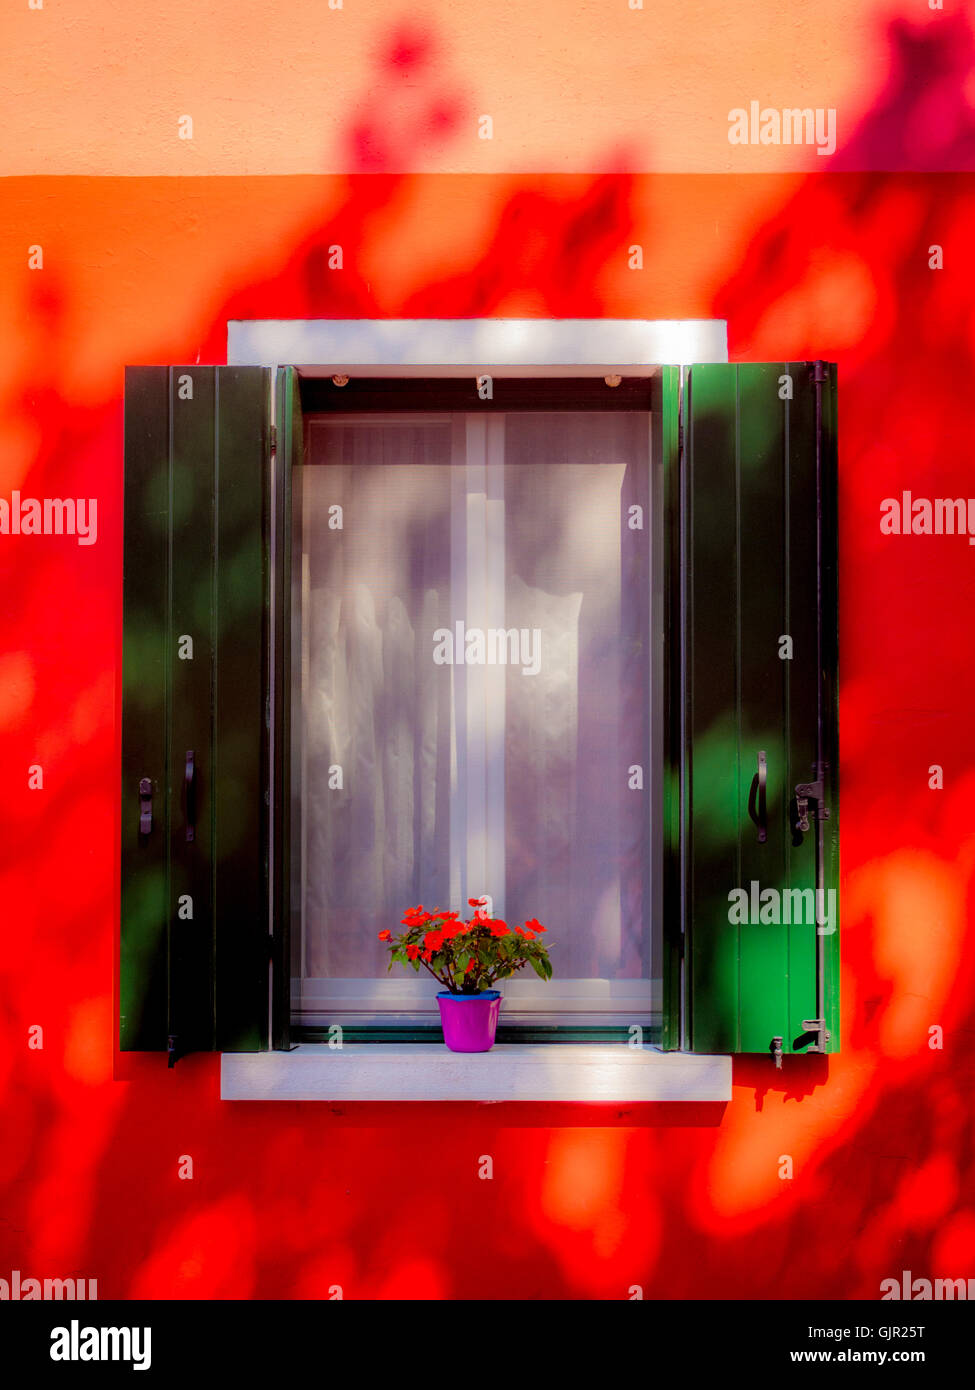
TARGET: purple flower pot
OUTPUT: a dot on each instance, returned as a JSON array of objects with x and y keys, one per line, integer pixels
[{"x": 469, "y": 1020}]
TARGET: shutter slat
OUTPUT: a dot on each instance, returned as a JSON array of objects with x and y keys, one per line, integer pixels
[
  {"x": 287, "y": 622},
  {"x": 713, "y": 776},
  {"x": 144, "y": 889},
  {"x": 801, "y": 672},
  {"x": 191, "y": 588},
  {"x": 763, "y": 546},
  {"x": 240, "y": 693}
]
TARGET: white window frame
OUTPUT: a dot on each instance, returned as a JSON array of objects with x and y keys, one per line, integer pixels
[
  {"x": 477, "y": 830},
  {"x": 458, "y": 348}
]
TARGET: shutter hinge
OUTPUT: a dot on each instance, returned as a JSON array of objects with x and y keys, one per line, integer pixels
[
  {"x": 272, "y": 438},
  {"x": 775, "y": 1048},
  {"x": 171, "y": 1053}
]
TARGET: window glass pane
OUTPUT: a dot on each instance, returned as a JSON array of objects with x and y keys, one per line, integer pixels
[
  {"x": 578, "y": 837},
  {"x": 473, "y": 703}
]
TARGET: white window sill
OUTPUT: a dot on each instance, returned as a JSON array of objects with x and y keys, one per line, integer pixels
[{"x": 510, "y": 1071}]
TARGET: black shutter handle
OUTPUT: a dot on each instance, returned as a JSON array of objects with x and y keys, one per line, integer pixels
[
  {"x": 190, "y": 783},
  {"x": 145, "y": 805},
  {"x": 757, "y": 791}
]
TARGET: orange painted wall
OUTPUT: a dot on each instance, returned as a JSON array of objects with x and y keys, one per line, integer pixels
[{"x": 144, "y": 260}]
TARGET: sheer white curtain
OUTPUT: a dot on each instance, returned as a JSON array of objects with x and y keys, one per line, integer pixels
[
  {"x": 426, "y": 781},
  {"x": 376, "y": 779}
]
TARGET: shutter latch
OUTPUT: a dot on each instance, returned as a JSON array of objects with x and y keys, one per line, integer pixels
[
  {"x": 815, "y": 1028},
  {"x": 775, "y": 1047},
  {"x": 171, "y": 1050},
  {"x": 145, "y": 806},
  {"x": 811, "y": 791}
]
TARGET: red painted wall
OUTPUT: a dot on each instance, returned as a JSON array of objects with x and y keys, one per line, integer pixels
[{"x": 289, "y": 1200}]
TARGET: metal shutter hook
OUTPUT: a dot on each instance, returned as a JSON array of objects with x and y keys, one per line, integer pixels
[
  {"x": 758, "y": 790},
  {"x": 190, "y": 796}
]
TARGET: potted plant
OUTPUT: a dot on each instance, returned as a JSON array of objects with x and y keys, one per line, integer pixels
[{"x": 467, "y": 957}]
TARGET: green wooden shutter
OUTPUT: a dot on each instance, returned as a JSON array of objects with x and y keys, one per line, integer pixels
[
  {"x": 194, "y": 894},
  {"x": 758, "y": 684}
]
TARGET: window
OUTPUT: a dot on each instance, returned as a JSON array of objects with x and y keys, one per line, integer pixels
[
  {"x": 569, "y": 641},
  {"x": 475, "y": 700}
]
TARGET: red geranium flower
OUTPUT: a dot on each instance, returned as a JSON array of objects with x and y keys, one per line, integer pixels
[
  {"x": 415, "y": 917},
  {"x": 473, "y": 902},
  {"x": 534, "y": 925},
  {"x": 385, "y": 936},
  {"x": 434, "y": 940},
  {"x": 499, "y": 928},
  {"x": 412, "y": 951}
]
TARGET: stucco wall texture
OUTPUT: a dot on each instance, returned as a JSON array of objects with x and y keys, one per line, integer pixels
[
  {"x": 360, "y": 126},
  {"x": 98, "y": 89}
]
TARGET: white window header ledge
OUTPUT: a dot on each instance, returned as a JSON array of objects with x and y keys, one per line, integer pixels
[
  {"x": 439, "y": 347},
  {"x": 576, "y": 1072}
]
